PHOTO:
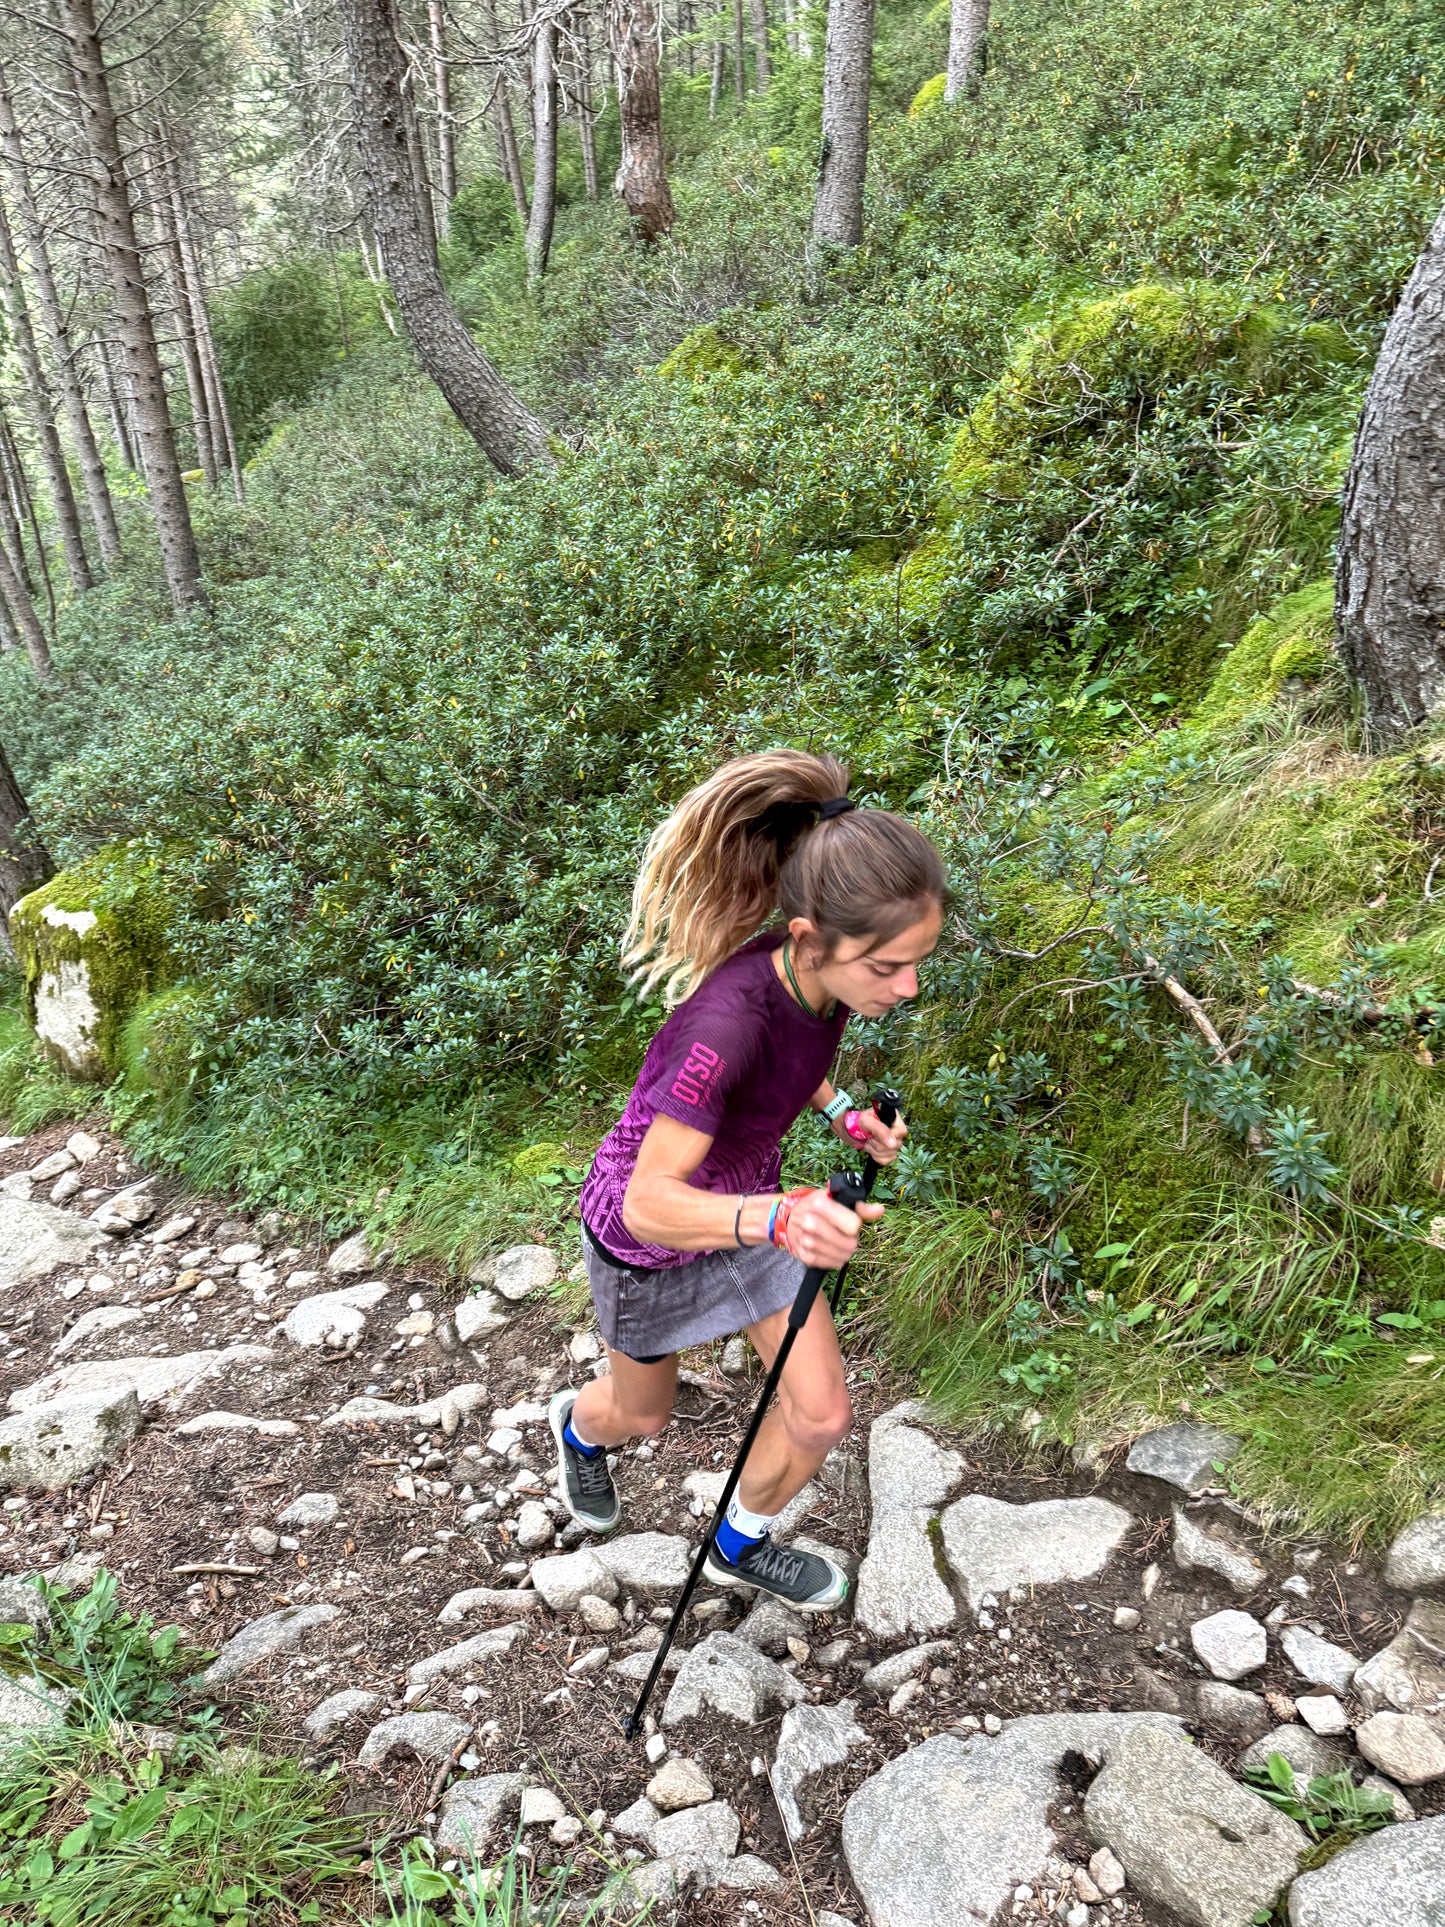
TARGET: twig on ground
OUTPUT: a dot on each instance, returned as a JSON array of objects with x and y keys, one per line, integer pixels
[
  {"x": 206, "y": 1565},
  {"x": 1199, "y": 1017},
  {"x": 443, "y": 1772}
]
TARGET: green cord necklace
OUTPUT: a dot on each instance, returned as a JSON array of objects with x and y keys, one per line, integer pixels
[{"x": 824, "y": 1015}]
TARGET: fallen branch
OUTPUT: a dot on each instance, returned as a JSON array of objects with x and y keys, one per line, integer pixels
[
  {"x": 1199, "y": 1017},
  {"x": 206, "y": 1565}
]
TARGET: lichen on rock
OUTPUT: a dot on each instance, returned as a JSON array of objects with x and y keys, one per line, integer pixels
[{"x": 92, "y": 943}]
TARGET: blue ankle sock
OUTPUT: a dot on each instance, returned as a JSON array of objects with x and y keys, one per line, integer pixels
[
  {"x": 739, "y": 1530},
  {"x": 587, "y": 1451}
]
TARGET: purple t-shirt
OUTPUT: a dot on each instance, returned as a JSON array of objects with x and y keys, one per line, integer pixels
[{"x": 739, "y": 1060}]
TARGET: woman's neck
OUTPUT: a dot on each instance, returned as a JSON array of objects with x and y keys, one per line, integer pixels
[{"x": 803, "y": 984}]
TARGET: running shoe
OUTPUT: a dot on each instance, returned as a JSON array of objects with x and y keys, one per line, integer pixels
[
  {"x": 584, "y": 1485},
  {"x": 809, "y": 1583}
]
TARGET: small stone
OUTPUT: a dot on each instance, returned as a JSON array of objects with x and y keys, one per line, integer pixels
[
  {"x": 496, "y": 1643},
  {"x": 431, "y": 1736},
  {"x": 263, "y": 1540},
  {"x": 23, "y": 1604},
  {"x": 1305, "y": 1751},
  {"x": 52, "y": 1167},
  {"x": 83, "y": 1147},
  {"x": 351, "y": 1256},
  {"x": 566, "y": 1832},
  {"x": 1183, "y": 1455},
  {"x": 584, "y": 1347},
  {"x": 1126, "y": 1619},
  {"x": 1106, "y": 1872},
  {"x": 889, "y": 1674},
  {"x": 1408, "y": 1675},
  {"x": 95, "y": 1322},
  {"x": 1243, "y": 1716},
  {"x": 65, "y": 1187},
  {"x": 534, "y": 1526},
  {"x": 903, "y": 1698},
  {"x": 598, "y": 1615},
  {"x": 507, "y": 1602},
  {"x": 732, "y": 1678},
  {"x": 637, "y": 1822},
  {"x": 479, "y": 1316},
  {"x": 335, "y": 1320},
  {"x": 770, "y": 1625},
  {"x": 647, "y": 1562},
  {"x": 338, "y": 1709},
  {"x": 993, "y": 1546},
  {"x": 310, "y": 1509},
  {"x": 1323, "y": 1714},
  {"x": 1085, "y": 1888},
  {"x": 261, "y": 1639},
  {"x": 707, "y": 1833},
  {"x": 1317, "y": 1660},
  {"x": 1230, "y": 1643},
  {"x": 564, "y": 1580},
  {"x": 992, "y": 1724},
  {"x": 1404, "y": 1746},
  {"x": 590, "y": 1662},
  {"x": 655, "y": 1749},
  {"x": 735, "y": 1357},
  {"x": 416, "y": 1324},
  {"x": 242, "y": 1254},
  {"x": 473, "y": 1809},
  {"x": 1077, "y": 1916},
  {"x": 680, "y": 1783},
  {"x": 541, "y": 1807}
]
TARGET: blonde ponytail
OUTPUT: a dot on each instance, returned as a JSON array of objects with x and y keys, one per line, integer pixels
[{"x": 749, "y": 840}]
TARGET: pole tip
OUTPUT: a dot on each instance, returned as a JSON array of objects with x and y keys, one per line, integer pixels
[{"x": 629, "y": 1727}]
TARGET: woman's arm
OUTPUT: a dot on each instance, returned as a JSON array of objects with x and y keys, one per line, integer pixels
[
  {"x": 883, "y": 1139},
  {"x": 662, "y": 1208}
]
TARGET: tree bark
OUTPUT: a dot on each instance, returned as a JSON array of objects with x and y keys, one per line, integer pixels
[
  {"x": 24, "y": 861},
  {"x": 714, "y": 92},
  {"x": 121, "y": 251},
  {"x": 52, "y": 313},
  {"x": 223, "y": 435},
  {"x": 40, "y": 404},
  {"x": 967, "y": 25},
  {"x": 22, "y": 501},
  {"x": 538, "y": 240},
  {"x": 31, "y": 631},
  {"x": 762, "y": 58},
  {"x": 115, "y": 403},
  {"x": 642, "y": 176},
  {"x": 586, "y": 125},
  {"x": 1390, "y": 579},
  {"x": 847, "y": 84},
  {"x": 740, "y": 72},
  {"x": 446, "y": 125},
  {"x": 507, "y": 432},
  {"x": 163, "y": 216},
  {"x": 508, "y": 154}
]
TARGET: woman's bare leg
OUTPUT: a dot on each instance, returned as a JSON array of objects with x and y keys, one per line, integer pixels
[
  {"x": 812, "y": 1414},
  {"x": 632, "y": 1401}
]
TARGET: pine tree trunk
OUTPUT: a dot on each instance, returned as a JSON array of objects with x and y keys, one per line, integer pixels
[
  {"x": 586, "y": 125},
  {"x": 22, "y": 501},
  {"x": 24, "y": 861},
  {"x": 642, "y": 176},
  {"x": 115, "y": 406},
  {"x": 714, "y": 92},
  {"x": 847, "y": 84},
  {"x": 762, "y": 59},
  {"x": 27, "y": 625},
  {"x": 41, "y": 407},
  {"x": 967, "y": 25},
  {"x": 508, "y": 153},
  {"x": 740, "y": 71},
  {"x": 446, "y": 125},
  {"x": 52, "y": 313},
  {"x": 508, "y": 433},
  {"x": 122, "y": 255},
  {"x": 1390, "y": 580},
  {"x": 544, "y": 148},
  {"x": 222, "y": 433},
  {"x": 163, "y": 216}
]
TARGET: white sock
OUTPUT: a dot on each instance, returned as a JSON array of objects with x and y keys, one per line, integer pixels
[{"x": 747, "y": 1525}]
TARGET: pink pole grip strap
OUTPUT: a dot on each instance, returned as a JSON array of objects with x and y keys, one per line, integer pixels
[{"x": 853, "y": 1125}]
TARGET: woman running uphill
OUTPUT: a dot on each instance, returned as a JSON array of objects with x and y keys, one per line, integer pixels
[{"x": 687, "y": 1238}]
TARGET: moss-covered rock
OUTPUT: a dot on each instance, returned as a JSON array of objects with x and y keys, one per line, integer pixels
[
  {"x": 1292, "y": 642},
  {"x": 704, "y": 354},
  {"x": 92, "y": 943}
]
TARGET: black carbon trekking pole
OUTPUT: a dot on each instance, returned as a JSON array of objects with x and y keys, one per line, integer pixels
[
  {"x": 886, "y": 1104},
  {"x": 844, "y": 1188}
]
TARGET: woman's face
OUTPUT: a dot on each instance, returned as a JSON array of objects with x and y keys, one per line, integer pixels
[{"x": 870, "y": 974}]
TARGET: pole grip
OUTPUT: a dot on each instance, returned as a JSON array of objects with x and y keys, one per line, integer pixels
[{"x": 844, "y": 1187}]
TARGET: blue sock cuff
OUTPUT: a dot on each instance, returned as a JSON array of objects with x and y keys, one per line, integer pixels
[
  {"x": 587, "y": 1451},
  {"x": 731, "y": 1543}
]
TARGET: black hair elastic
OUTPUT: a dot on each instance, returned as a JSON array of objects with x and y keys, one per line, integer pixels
[{"x": 835, "y": 806}]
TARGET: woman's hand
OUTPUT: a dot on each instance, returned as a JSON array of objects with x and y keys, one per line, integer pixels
[
  {"x": 882, "y": 1141},
  {"x": 823, "y": 1232}
]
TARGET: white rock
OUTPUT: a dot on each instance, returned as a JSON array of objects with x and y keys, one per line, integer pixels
[
  {"x": 598, "y": 1616},
  {"x": 899, "y": 1590},
  {"x": 680, "y": 1783},
  {"x": 503, "y": 1439},
  {"x": 121, "y": 1214},
  {"x": 473, "y": 1810},
  {"x": 1230, "y": 1643},
  {"x": 637, "y": 1822},
  {"x": 101, "y": 1318},
  {"x": 1183, "y": 1455},
  {"x": 83, "y": 1147},
  {"x": 889, "y": 1674},
  {"x": 240, "y": 1254},
  {"x": 1318, "y": 1660},
  {"x": 263, "y": 1540},
  {"x": 36, "y": 1239},
  {"x": 52, "y": 1167},
  {"x": 584, "y": 1347},
  {"x": 151, "y": 1378},
  {"x": 28, "y": 1709},
  {"x": 52, "y": 1445},
  {"x": 496, "y": 1643},
  {"x": 810, "y": 1740},
  {"x": 540, "y": 1807},
  {"x": 1409, "y": 1749},
  {"x": 352, "y": 1255},
  {"x": 1216, "y": 1552},
  {"x": 708, "y": 1834},
  {"x": 647, "y": 1562},
  {"x": 338, "y": 1709},
  {"x": 534, "y": 1526},
  {"x": 732, "y": 1678},
  {"x": 1408, "y": 1675},
  {"x": 524, "y": 1269},
  {"x": 1106, "y": 1873},
  {"x": 1323, "y": 1714},
  {"x": 171, "y": 1231},
  {"x": 490, "y": 1601},
  {"x": 310, "y": 1509},
  {"x": 260, "y": 1639},
  {"x": 1416, "y": 1560},
  {"x": 563, "y": 1580},
  {"x": 479, "y": 1316},
  {"x": 268, "y": 1428},
  {"x": 1394, "y": 1878},
  {"x": 993, "y": 1546},
  {"x": 334, "y": 1319},
  {"x": 416, "y": 1324},
  {"x": 432, "y": 1736}
]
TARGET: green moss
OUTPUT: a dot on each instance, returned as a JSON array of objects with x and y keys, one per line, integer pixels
[
  {"x": 153, "y": 1043},
  {"x": 122, "y": 947},
  {"x": 929, "y": 95},
  {"x": 539, "y": 1159},
  {"x": 1292, "y": 641},
  {"x": 705, "y": 353}
]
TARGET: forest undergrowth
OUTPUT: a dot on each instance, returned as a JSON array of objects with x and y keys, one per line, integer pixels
[{"x": 1027, "y": 512}]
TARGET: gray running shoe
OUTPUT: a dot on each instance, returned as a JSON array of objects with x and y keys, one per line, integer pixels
[
  {"x": 584, "y": 1485},
  {"x": 809, "y": 1583}
]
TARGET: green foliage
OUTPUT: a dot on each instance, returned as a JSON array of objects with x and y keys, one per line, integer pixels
[
  {"x": 929, "y": 95},
  {"x": 32, "y": 1093},
  {"x": 1330, "y": 1806}
]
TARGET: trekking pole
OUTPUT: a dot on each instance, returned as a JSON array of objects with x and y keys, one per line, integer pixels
[
  {"x": 886, "y": 1104},
  {"x": 847, "y": 1189}
]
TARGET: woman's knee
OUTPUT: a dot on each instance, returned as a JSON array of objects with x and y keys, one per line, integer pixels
[
  {"x": 647, "y": 1425},
  {"x": 815, "y": 1428}
]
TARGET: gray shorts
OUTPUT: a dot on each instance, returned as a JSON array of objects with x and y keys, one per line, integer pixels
[{"x": 647, "y": 1314}]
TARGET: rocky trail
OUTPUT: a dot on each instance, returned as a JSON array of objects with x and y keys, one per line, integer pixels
[{"x": 334, "y": 1471}]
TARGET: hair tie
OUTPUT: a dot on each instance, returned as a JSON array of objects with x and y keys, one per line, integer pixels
[{"x": 835, "y": 806}]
